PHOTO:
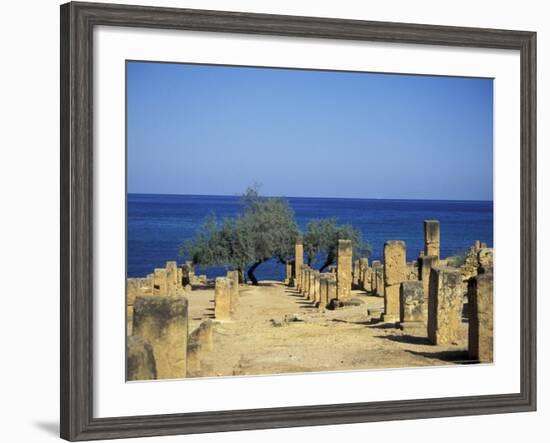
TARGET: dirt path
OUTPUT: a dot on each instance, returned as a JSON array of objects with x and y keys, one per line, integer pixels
[{"x": 275, "y": 330}]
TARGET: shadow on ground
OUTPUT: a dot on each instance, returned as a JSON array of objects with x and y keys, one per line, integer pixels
[
  {"x": 414, "y": 340},
  {"x": 459, "y": 357}
]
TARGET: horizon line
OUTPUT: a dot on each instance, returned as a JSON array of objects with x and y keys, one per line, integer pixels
[{"x": 328, "y": 198}]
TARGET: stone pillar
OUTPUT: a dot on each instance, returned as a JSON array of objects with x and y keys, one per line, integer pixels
[
  {"x": 233, "y": 278},
  {"x": 323, "y": 290},
  {"x": 188, "y": 273},
  {"x": 364, "y": 281},
  {"x": 444, "y": 305},
  {"x": 179, "y": 288},
  {"x": 311, "y": 293},
  {"x": 425, "y": 265},
  {"x": 395, "y": 272},
  {"x": 480, "y": 307},
  {"x": 412, "y": 316},
  {"x": 288, "y": 274},
  {"x": 222, "y": 299},
  {"x": 298, "y": 257},
  {"x": 308, "y": 282},
  {"x": 332, "y": 289},
  {"x": 140, "y": 364},
  {"x": 344, "y": 269},
  {"x": 171, "y": 278},
  {"x": 316, "y": 286},
  {"x": 163, "y": 323},
  {"x": 356, "y": 274},
  {"x": 376, "y": 264},
  {"x": 205, "y": 335},
  {"x": 431, "y": 237},
  {"x": 160, "y": 282}
]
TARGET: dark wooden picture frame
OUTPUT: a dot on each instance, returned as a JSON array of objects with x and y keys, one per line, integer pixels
[{"x": 77, "y": 23}]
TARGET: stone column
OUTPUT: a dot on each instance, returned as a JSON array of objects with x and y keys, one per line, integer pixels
[
  {"x": 356, "y": 273},
  {"x": 316, "y": 286},
  {"x": 431, "y": 237},
  {"x": 298, "y": 257},
  {"x": 233, "y": 278},
  {"x": 163, "y": 323},
  {"x": 412, "y": 317},
  {"x": 160, "y": 282},
  {"x": 374, "y": 276},
  {"x": 222, "y": 299},
  {"x": 480, "y": 307},
  {"x": 344, "y": 269},
  {"x": 364, "y": 281},
  {"x": 180, "y": 289},
  {"x": 311, "y": 293},
  {"x": 308, "y": 282},
  {"x": 171, "y": 278},
  {"x": 323, "y": 290},
  {"x": 332, "y": 289},
  {"x": 444, "y": 305},
  {"x": 425, "y": 265},
  {"x": 288, "y": 273},
  {"x": 395, "y": 272}
]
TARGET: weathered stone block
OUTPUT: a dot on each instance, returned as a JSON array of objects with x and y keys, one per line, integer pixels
[
  {"x": 171, "y": 278},
  {"x": 412, "y": 311},
  {"x": 222, "y": 299},
  {"x": 332, "y": 289},
  {"x": 163, "y": 323},
  {"x": 140, "y": 363},
  {"x": 317, "y": 287},
  {"x": 431, "y": 238},
  {"x": 323, "y": 290},
  {"x": 485, "y": 260},
  {"x": 233, "y": 278},
  {"x": 132, "y": 290},
  {"x": 395, "y": 262},
  {"x": 288, "y": 273},
  {"x": 356, "y": 273},
  {"x": 425, "y": 265},
  {"x": 160, "y": 282},
  {"x": 480, "y": 307},
  {"x": 444, "y": 305},
  {"x": 364, "y": 277},
  {"x": 205, "y": 335},
  {"x": 344, "y": 268},
  {"x": 193, "y": 359},
  {"x": 298, "y": 257},
  {"x": 391, "y": 304}
]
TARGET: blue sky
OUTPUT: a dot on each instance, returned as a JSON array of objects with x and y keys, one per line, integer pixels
[{"x": 195, "y": 129}]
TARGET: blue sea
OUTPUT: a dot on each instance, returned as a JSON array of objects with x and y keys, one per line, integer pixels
[{"x": 158, "y": 224}]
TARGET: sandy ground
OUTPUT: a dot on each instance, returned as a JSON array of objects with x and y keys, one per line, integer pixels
[{"x": 276, "y": 330}]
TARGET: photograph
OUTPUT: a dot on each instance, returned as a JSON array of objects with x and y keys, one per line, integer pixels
[{"x": 283, "y": 220}]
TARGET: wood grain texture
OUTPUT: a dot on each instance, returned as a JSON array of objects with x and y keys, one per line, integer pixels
[{"x": 77, "y": 22}]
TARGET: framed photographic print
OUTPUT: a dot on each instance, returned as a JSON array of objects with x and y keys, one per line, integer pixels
[{"x": 272, "y": 221}]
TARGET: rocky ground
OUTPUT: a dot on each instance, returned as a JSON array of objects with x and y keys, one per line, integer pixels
[{"x": 276, "y": 330}]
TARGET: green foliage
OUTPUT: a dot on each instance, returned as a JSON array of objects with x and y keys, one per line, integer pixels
[
  {"x": 458, "y": 260},
  {"x": 321, "y": 238},
  {"x": 265, "y": 230}
]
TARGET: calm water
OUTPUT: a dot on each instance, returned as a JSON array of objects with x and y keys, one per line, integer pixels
[{"x": 158, "y": 224}]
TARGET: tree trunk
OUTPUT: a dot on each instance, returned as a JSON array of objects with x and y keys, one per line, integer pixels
[
  {"x": 251, "y": 270},
  {"x": 241, "y": 275},
  {"x": 329, "y": 261}
]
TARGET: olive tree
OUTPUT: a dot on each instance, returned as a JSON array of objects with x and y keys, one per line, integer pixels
[{"x": 321, "y": 239}]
